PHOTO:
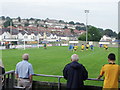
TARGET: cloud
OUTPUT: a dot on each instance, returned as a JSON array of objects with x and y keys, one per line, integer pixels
[{"x": 100, "y": 10}]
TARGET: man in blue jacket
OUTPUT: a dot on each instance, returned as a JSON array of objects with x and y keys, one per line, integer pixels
[{"x": 75, "y": 73}]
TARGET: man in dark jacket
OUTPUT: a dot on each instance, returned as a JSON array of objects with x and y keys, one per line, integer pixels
[
  {"x": 75, "y": 73},
  {"x": 2, "y": 70}
]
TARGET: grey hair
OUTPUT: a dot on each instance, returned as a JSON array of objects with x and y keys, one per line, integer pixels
[
  {"x": 25, "y": 56},
  {"x": 74, "y": 57}
]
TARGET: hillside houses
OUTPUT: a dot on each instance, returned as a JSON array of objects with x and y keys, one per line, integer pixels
[
  {"x": 36, "y": 33},
  {"x": 37, "y": 29},
  {"x": 51, "y": 23}
]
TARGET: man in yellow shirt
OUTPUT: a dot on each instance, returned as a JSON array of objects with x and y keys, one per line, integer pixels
[
  {"x": 106, "y": 47},
  {"x": 82, "y": 47},
  {"x": 75, "y": 48},
  {"x": 111, "y": 73},
  {"x": 87, "y": 46}
]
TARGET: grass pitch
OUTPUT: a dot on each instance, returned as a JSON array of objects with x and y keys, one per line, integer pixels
[{"x": 52, "y": 60}]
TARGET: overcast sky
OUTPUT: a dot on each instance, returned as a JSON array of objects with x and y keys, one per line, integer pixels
[{"x": 103, "y": 13}]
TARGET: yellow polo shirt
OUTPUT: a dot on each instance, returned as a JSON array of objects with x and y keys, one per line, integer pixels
[
  {"x": 106, "y": 46},
  {"x": 75, "y": 47},
  {"x": 82, "y": 47},
  {"x": 111, "y": 73},
  {"x": 87, "y": 45}
]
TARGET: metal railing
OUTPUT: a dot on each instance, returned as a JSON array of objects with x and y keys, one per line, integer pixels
[
  {"x": 8, "y": 79},
  {"x": 59, "y": 77}
]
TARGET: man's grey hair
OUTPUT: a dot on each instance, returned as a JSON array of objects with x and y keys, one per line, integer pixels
[
  {"x": 74, "y": 57},
  {"x": 25, "y": 56}
]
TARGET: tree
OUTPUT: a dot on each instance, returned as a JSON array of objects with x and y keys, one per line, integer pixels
[
  {"x": 80, "y": 28},
  {"x": 61, "y": 21},
  {"x": 77, "y": 23},
  {"x": 2, "y": 18},
  {"x": 114, "y": 34},
  {"x": 8, "y": 19},
  {"x": 41, "y": 26},
  {"x": 8, "y": 23},
  {"x": 32, "y": 19},
  {"x": 71, "y": 22},
  {"x": 65, "y": 27},
  {"x": 19, "y": 19},
  {"x": 26, "y": 24},
  {"x": 101, "y": 31},
  {"x": 109, "y": 32},
  {"x": 83, "y": 37},
  {"x": 95, "y": 34},
  {"x": 72, "y": 31}
]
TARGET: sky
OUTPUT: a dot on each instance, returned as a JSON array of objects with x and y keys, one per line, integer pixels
[{"x": 102, "y": 13}]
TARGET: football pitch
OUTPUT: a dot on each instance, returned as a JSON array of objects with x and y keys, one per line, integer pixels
[{"x": 52, "y": 60}]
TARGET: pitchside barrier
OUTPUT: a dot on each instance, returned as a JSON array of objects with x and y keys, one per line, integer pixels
[
  {"x": 9, "y": 83},
  {"x": 67, "y": 43}
]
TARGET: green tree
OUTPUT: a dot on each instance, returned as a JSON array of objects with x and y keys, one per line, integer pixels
[
  {"x": 19, "y": 19},
  {"x": 61, "y": 21},
  {"x": 109, "y": 32},
  {"x": 8, "y": 19},
  {"x": 8, "y": 23},
  {"x": 77, "y": 23},
  {"x": 26, "y": 24},
  {"x": 95, "y": 34},
  {"x": 65, "y": 27},
  {"x": 41, "y": 26},
  {"x": 72, "y": 31},
  {"x": 101, "y": 31},
  {"x": 71, "y": 22},
  {"x": 2, "y": 18},
  {"x": 80, "y": 28},
  {"x": 114, "y": 34},
  {"x": 31, "y": 19},
  {"x": 83, "y": 37}
]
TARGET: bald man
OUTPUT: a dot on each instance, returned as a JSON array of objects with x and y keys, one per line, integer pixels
[
  {"x": 24, "y": 72},
  {"x": 75, "y": 73}
]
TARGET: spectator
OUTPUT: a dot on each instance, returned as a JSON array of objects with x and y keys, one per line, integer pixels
[
  {"x": 111, "y": 73},
  {"x": 2, "y": 71},
  {"x": 75, "y": 73},
  {"x": 24, "y": 72}
]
